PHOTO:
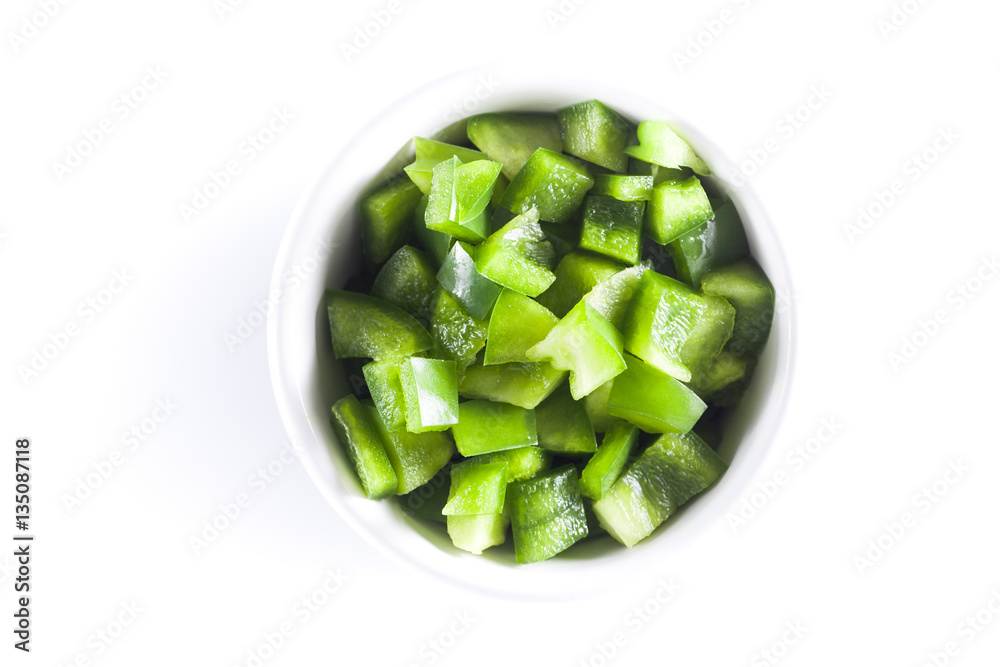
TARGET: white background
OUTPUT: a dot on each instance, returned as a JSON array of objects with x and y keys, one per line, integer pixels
[{"x": 189, "y": 283}]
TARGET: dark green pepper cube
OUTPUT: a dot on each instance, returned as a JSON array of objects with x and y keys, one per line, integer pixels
[
  {"x": 518, "y": 256},
  {"x": 386, "y": 388},
  {"x": 364, "y": 448},
  {"x": 585, "y": 344},
  {"x": 459, "y": 277},
  {"x": 563, "y": 424},
  {"x": 595, "y": 132},
  {"x": 612, "y": 228},
  {"x": 415, "y": 457},
  {"x": 522, "y": 384},
  {"x": 720, "y": 241},
  {"x": 429, "y": 154},
  {"x": 517, "y": 324},
  {"x": 576, "y": 274},
  {"x": 661, "y": 145},
  {"x": 666, "y": 475},
  {"x": 430, "y": 394},
  {"x": 386, "y": 216},
  {"x": 747, "y": 288},
  {"x": 552, "y": 183},
  {"x": 477, "y": 488},
  {"x": 366, "y": 326},
  {"x": 522, "y": 463},
  {"x": 676, "y": 208},
  {"x": 659, "y": 321},
  {"x": 653, "y": 400},
  {"x": 459, "y": 197},
  {"x": 726, "y": 370},
  {"x": 407, "y": 280},
  {"x": 485, "y": 426},
  {"x": 709, "y": 334},
  {"x": 604, "y": 467},
  {"x": 547, "y": 514},
  {"x": 457, "y": 334},
  {"x": 624, "y": 187},
  {"x": 510, "y": 139}
]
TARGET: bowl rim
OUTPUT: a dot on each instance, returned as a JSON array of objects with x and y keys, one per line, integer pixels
[{"x": 570, "y": 580}]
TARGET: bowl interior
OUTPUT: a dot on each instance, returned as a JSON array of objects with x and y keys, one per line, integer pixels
[{"x": 308, "y": 380}]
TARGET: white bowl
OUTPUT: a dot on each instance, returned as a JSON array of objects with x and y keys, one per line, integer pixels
[{"x": 307, "y": 381}]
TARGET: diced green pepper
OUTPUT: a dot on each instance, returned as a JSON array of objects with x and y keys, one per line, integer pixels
[
  {"x": 385, "y": 218},
  {"x": 477, "y": 488},
  {"x": 547, "y": 514},
  {"x": 407, "y": 280},
  {"x": 478, "y": 532},
  {"x": 364, "y": 447},
  {"x": 718, "y": 242},
  {"x": 459, "y": 277},
  {"x": 522, "y": 384},
  {"x": 747, "y": 288},
  {"x": 457, "y": 334},
  {"x": 670, "y": 472},
  {"x": 485, "y": 426},
  {"x": 459, "y": 196},
  {"x": 593, "y": 131},
  {"x": 726, "y": 369},
  {"x": 563, "y": 424},
  {"x": 518, "y": 256},
  {"x": 430, "y": 394},
  {"x": 612, "y": 228},
  {"x": 604, "y": 467},
  {"x": 549, "y": 182},
  {"x": 577, "y": 273},
  {"x": 585, "y": 344},
  {"x": 661, "y": 145},
  {"x": 415, "y": 457},
  {"x": 710, "y": 332},
  {"x": 431, "y": 153},
  {"x": 427, "y": 500},
  {"x": 522, "y": 462},
  {"x": 676, "y": 208},
  {"x": 510, "y": 139},
  {"x": 596, "y": 405},
  {"x": 382, "y": 378},
  {"x": 437, "y": 244},
  {"x": 517, "y": 324},
  {"x": 659, "y": 321},
  {"x": 612, "y": 297},
  {"x": 623, "y": 187},
  {"x": 653, "y": 400},
  {"x": 365, "y": 326}
]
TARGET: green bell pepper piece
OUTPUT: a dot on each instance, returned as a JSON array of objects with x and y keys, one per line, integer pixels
[
  {"x": 517, "y": 256},
  {"x": 522, "y": 384},
  {"x": 612, "y": 228},
  {"x": 485, "y": 426},
  {"x": 477, "y": 488},
  {"x": 604, "y": 467},
  {"x": 366, "y": 326},
  {"x": 708, "y": 335},
  {"x": 415, "y": 457},
  {"x": 385, "y": 218},
  {"x": 747, "y": 288},
  {"x": 612, "y": 297},
  {"x": 624, "y": 187},
  {"x": 563, "y": 424},
  {"x": 661, "y": 145},
  {"x": 429, "y": 154},
  {"x": 585, "y": 344},
  {"x": 459, "y": 196},
  {"x": 517, "y": 324},
  {"x": 364, "y": 447},
  {"x": 386, "y": 388},
  {"x": 595, "y": 132},
  {"x": 459, "y": 277},
  {"x": 457, "y": 335},
  {"x": 576, "y": 274},
  {"x": 430, "y": 394},
  {"x": 407, "y": 280},
  {"x": 510, "y": 139},
  {"x": 676, "y": 208},
  {"x": 549, "y": 182},
  {"x": 522, "y": 462},
  {"x": 720, "y": 241},
  {"x": 437, "y": 244},
  {"x": 653, "y": 400}
]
